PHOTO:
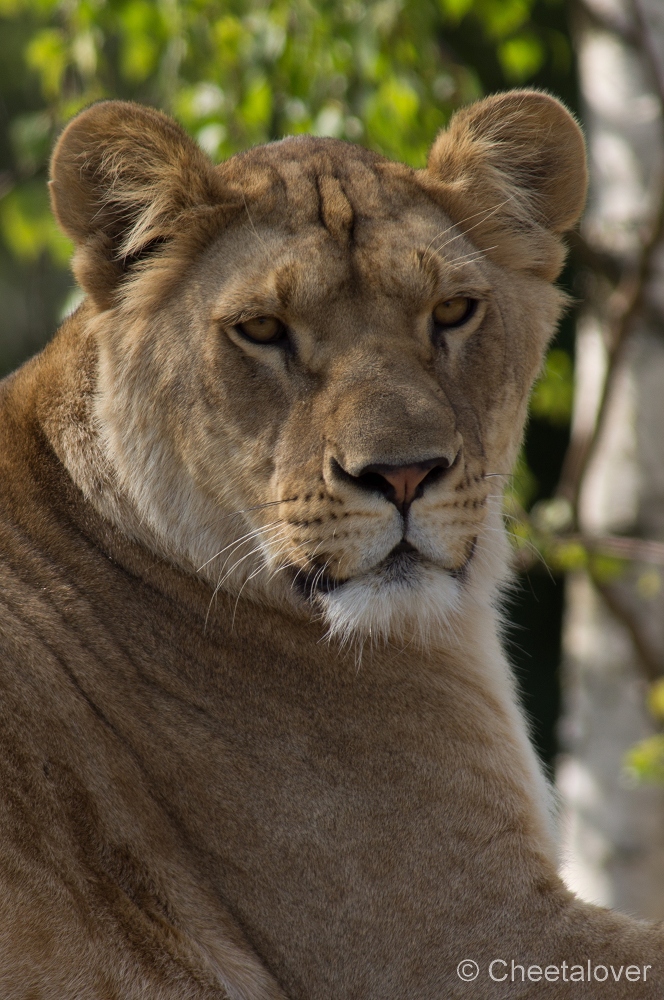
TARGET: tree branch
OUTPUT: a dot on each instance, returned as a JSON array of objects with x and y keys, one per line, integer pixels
[{"x": 649, "y": 658}]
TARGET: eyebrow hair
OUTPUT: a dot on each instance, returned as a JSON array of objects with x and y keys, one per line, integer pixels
[
  {"x": 441, "y": 272},
  {"x": 239, "y": 309},
  {"x": 271, "y": 293},
  {"x": 430, "y": 266}
]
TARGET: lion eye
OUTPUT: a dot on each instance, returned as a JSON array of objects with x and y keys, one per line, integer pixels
[
  {"x": 263, "y": 330},
  {"x": 454, "y": 312}
]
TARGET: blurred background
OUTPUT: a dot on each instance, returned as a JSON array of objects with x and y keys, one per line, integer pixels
[{"x": 585, "y": 507}]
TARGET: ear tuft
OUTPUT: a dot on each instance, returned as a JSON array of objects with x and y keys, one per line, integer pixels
[
  {"x": 121, "y": 177},
  {"x": 516, "y": 162}
]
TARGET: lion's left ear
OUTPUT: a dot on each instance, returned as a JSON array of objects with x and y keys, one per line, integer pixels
[
  {"x": 122, "y": 178},
  {"x": 512, "y": 168}
]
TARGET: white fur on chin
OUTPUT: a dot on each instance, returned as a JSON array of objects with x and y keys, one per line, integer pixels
[{"x": 423, "y": 602}]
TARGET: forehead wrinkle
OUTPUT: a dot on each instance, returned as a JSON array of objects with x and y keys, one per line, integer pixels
[
  {"x": 404, "y": 279},
  {"x": 335, "y": 209},
  {"x": 301, "y": 284}
]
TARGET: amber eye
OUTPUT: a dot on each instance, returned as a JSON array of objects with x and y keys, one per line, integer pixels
[
  {"x": 454, "y": 312},
  {"x": 263, "y": 330}
]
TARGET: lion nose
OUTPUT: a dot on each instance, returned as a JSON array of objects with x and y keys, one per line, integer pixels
[{"x": 401, "y": 484}]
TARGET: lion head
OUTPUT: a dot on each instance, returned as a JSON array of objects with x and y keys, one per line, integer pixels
[{"x": 312, "y": 363}]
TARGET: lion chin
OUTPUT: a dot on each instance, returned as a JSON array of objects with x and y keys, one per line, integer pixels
[{"x": 405, "y": 598}]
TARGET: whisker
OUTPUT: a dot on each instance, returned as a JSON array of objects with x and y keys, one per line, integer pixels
[
  {"x": 259, "y": 506},
  {"x": 241, "y": 560},
  {"x": 238, "y": 513},
  {"x": 279, "y": 534},
  {"x": 470, "y": 258},
  {"x": 486, "y": 213},
  {"x": 237, "y": 599},
  {"x": 223, "y": 579},
  {"x": 238, "y": 541},
  {"x": 298, "y": 547},
  {"x": 251, "y": 222},
  {"x": 256, "y": 549},
  {"x": 321, "y": 572},
  {"x": 275, "y": 556},
  {"x": 302, "y": 568}
]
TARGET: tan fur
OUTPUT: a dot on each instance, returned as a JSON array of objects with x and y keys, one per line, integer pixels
[{"x": 248, "y": 750}]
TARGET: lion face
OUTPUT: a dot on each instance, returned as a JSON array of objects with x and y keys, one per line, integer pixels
[{"x": 313, "y": 378}]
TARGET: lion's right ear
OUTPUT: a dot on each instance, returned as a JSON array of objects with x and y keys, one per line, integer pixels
[{"x": 122, "y": 175}]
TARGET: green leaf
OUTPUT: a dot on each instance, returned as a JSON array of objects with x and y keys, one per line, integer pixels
[
  {"x": 553, "y": 393},
  {"x": 229, "y": 35},
  {"x": 31, "y": 137},
  {"x": 645, "y": 761},
  {"x": 27, "y": 226},
  {"x": 521, "y": 57},
  {"x": 47, "y": 54},
  {"x": 456, "y": 9},
  {"x": 256, "y": 108},
  {"x": 656, "y": 699},
  {"x": 391, "y": 117},
  {"x": 606, "y": 569},
  {"x": 569, "y": 557},
  {"x": 140, "y": 40},
  {"x": 502, "y": 17}
]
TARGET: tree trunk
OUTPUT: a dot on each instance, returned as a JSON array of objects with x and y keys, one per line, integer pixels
[{"x": 612, "y": 832}]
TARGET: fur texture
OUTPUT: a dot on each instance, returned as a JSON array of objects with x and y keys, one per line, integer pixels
[{"x": 259, "y": 737}]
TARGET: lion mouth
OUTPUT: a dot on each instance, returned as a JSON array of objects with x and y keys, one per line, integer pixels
[
  {"x": 401, "y": 565},
  {"x": 403, "y": 547},
  {"x": 402, "y": 562}
]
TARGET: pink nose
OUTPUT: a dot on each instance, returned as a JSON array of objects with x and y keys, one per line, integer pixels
[
  {"x": 404, "y": 480},
  {"x": 401, "y": 484}
]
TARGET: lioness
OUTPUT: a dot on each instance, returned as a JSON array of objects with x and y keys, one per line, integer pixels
[{"x": 259, "y": 739}]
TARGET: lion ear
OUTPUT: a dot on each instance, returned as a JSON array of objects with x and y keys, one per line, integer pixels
[
  {"x": 121, "y": 177},
  {"x": 512, "y": 168}
]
